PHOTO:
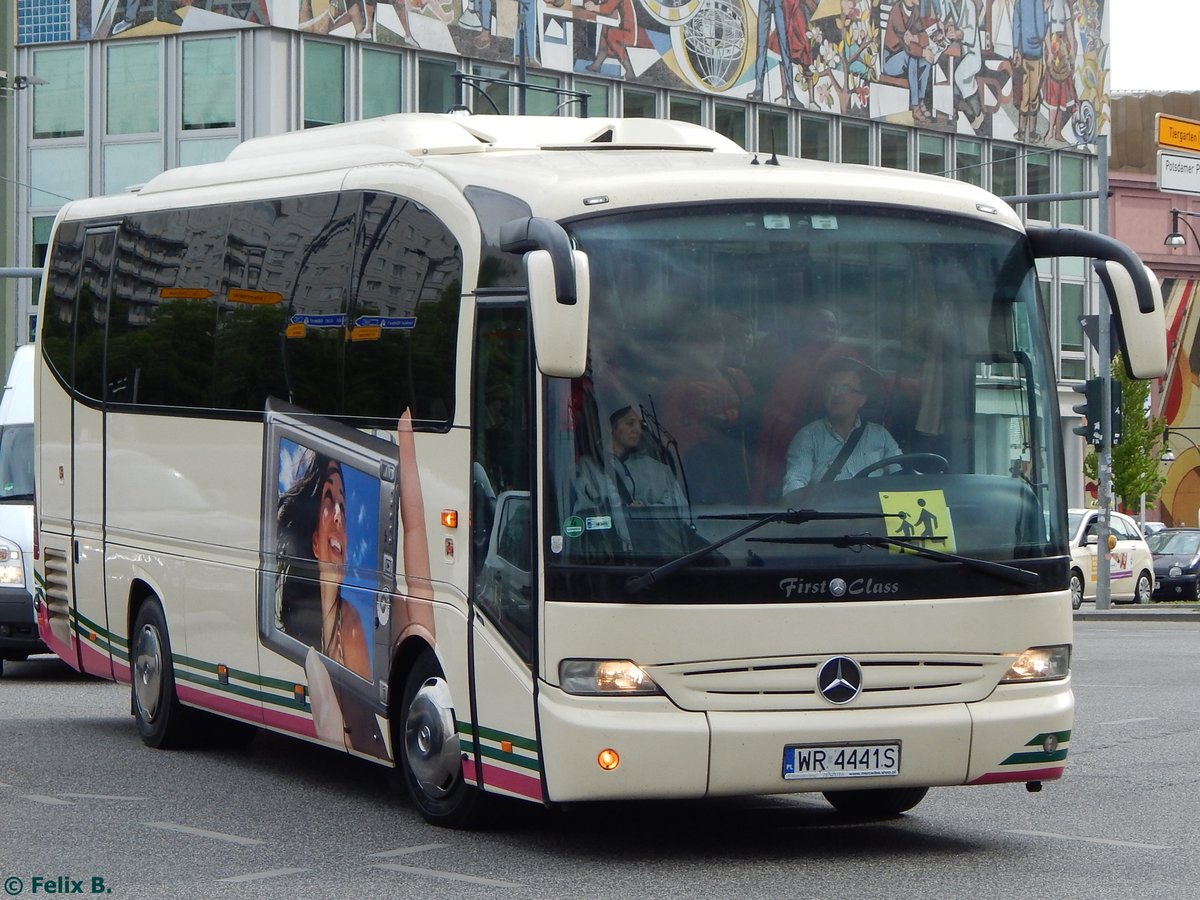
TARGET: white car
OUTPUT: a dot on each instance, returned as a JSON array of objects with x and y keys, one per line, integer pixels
[{"x": 1131, "y": 563}]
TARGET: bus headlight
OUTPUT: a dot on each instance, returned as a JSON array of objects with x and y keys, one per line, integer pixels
[
  {"x": 604, "y": 676},
  {"x": 1040, "y": 664},
  {"x": 11, "y": 571}
]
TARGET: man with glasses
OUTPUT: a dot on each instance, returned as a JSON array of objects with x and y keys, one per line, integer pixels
[{"x": 839, "y": 444}]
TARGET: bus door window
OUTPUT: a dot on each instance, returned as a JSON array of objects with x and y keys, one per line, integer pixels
[{"x": 502, "y": 462}]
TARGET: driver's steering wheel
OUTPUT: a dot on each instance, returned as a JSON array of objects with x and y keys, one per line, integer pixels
[{"x": 909, "y": 463}]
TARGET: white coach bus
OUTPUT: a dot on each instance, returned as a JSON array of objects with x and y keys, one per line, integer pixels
[{"x": 568, "y": 459}]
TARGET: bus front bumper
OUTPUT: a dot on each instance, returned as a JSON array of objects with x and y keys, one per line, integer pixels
[{"x": 1019, "y": 734}]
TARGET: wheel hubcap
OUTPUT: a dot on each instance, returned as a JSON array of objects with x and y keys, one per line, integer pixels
[
  {"x": 431, "y": 739},
  {"x": 147, "y": 672}
]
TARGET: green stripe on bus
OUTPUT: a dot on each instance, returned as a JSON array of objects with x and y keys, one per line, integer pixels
[
  {"x": 1060, "y": 737},
  {"x": 1023, "y": 759},
  {"x": 496, "y": 736},
  {"x": 512, "y": 759},
  {"x": 110, "y": 636},
  {"x": 280, "y": 684}
]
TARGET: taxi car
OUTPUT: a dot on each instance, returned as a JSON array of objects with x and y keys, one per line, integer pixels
[
  {"x": 1176, "y": 563},
  {"x": 1131, "y": 564}
]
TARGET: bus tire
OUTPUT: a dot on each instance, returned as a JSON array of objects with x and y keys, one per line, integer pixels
[
  {"x": 430, "y": 760},
  {"x": 880, "y": 803},
  {"x": 162, "y": 721}
]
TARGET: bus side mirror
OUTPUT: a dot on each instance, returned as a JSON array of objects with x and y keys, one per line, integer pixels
[
  {"x": 559, "y": 293},
  {"x": 560, "y": 330},
  {"x": 1141, "y": 335}
]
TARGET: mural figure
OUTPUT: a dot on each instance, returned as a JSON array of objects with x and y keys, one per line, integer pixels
[
  {"x": 907, "y": 53},
  {"x": 1029, "y": 32},
  {"x": 771, "y": 14},
  {"x": 1061, "y": 47},
  {"x": 615, "y": 39},
  {"x": 962, "y": 27}
]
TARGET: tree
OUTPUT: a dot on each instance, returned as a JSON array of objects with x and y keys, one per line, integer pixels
[{"x": 1135, "y": 465}]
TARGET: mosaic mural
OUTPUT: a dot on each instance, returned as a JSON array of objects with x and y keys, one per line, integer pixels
[{"x": 1025, "y": 70}]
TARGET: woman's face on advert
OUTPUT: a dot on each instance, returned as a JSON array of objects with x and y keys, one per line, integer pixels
[{"x": 329, "y": 537}]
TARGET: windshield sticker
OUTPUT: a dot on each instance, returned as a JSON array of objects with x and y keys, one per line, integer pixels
[
  {"x": 824, "y": 223},
  {"x": 556, "y": 543},
  {"x": 777, "y": 222},
  {"x": 573, "y": 527},
  {"x": 598, "y": 523},
  {"x": 919, "y": 517}
]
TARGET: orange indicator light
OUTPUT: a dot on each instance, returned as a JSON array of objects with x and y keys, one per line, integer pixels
[
  {"x": 450, "y": 518},
  {"x": 506, "y": 746},
  {"x": 608, "y": 759}
]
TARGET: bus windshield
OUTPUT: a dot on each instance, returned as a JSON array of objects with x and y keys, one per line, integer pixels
[{"x": 882, "y": 373}]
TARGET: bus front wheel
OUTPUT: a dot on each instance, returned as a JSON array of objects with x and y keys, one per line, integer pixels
[
  {"x": 878, "y": 803},
  {"x": 162, "y": 721},
  {"x": 430, "y": 757}
]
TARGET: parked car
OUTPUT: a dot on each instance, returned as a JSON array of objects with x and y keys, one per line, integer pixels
[
  {"x": 18, "y": 627},
  {"x": 1176, "y": 563},
  {"x": 1131, "y": 566}
]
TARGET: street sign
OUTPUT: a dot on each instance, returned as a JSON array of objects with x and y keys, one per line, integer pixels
[
  {"x": 1183, "y": 134},
  {"x": 1178, "y": 173}
]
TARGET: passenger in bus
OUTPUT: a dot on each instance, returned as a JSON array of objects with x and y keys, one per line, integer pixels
[
  {"x": 840, "y": 444},
  {"x": 312, "y": 520},
  {"x": 628, "y": 477}
]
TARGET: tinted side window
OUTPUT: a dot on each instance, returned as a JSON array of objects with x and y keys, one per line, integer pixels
[
  {"x": 165, "y": 301},
  {"x": 95, "y": 284},
  {"x": 308, "y": 259},
  {"x": 58, "y": 318},
  {"x": 404, "y": 333}
]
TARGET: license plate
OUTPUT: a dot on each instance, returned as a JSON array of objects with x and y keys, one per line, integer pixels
[{"x": 840, "y": 760}]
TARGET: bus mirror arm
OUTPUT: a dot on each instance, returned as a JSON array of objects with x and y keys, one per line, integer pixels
[
  {"x": 536, "y": 233},
  {"x": 1049, "y": 243}
]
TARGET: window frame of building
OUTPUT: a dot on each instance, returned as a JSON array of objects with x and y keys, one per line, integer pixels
[
  {"x": 319, "y": 86},
  {"x": 378, "y": 67},
  {"x": 65, "y": 93},
  {"x": 133, "y": 76},
  {"x": 436, "y": 75},
  {"x": 730, "y": 121},
  {"x": 854, "y": 142},
  {"x": 813, "y": 143},
  {"x": 644, "y": 103},
  {"x": 891, "y": 140},
  {"x": 685, "y": 108}
]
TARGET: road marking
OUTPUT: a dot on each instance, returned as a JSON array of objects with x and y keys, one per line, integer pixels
[
  {"x": 1130, "y": 721},
  {"x": 448, "y": 876},
  {"x": 200, "y": 832},
  {"x": 262, "y": 876},
  {"x": 404, "y": 851},
  {"x": 1089, "y": 840},
  {"x": 99, "y": 797},
  {"x": 42, "y": 798}
]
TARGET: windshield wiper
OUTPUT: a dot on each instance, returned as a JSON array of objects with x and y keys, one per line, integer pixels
[
  {"x": 639, "y": 583},
  {"x": 1000, "y": 570}
]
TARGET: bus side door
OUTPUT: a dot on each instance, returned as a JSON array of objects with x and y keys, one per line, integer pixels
[
  {"x": 503, "y": 599},
  {"x": 93, "y": 634}
]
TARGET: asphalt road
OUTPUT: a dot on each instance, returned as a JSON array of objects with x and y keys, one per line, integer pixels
[{"x": 81, "y": 798}]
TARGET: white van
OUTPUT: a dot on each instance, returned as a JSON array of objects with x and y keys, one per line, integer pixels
[{"x": 18, "y": 628}]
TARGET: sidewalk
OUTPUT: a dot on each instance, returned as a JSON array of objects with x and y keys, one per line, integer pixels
[{"x": 1135, "y": 612}]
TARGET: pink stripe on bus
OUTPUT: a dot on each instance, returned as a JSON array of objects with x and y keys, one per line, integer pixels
[
  {"x": 1051, "y": 774},
  {"x": 251, "y": 712},
  {"x": 506, "y": 780}
]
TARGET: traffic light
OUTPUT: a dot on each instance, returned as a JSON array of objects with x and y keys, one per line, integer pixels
[
  {"x": 1090, "y": 411},
  {"x": 1115, "y": 397}
]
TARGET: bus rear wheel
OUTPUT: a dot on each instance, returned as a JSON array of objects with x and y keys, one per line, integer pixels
[
  {"x": 162, "y": 721},
  {"x": 430, "y": 759},
  {"x": 879, "y": 803}
]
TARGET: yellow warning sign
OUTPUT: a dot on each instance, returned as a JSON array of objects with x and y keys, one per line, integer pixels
[{"x": 919, "y": 517}]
